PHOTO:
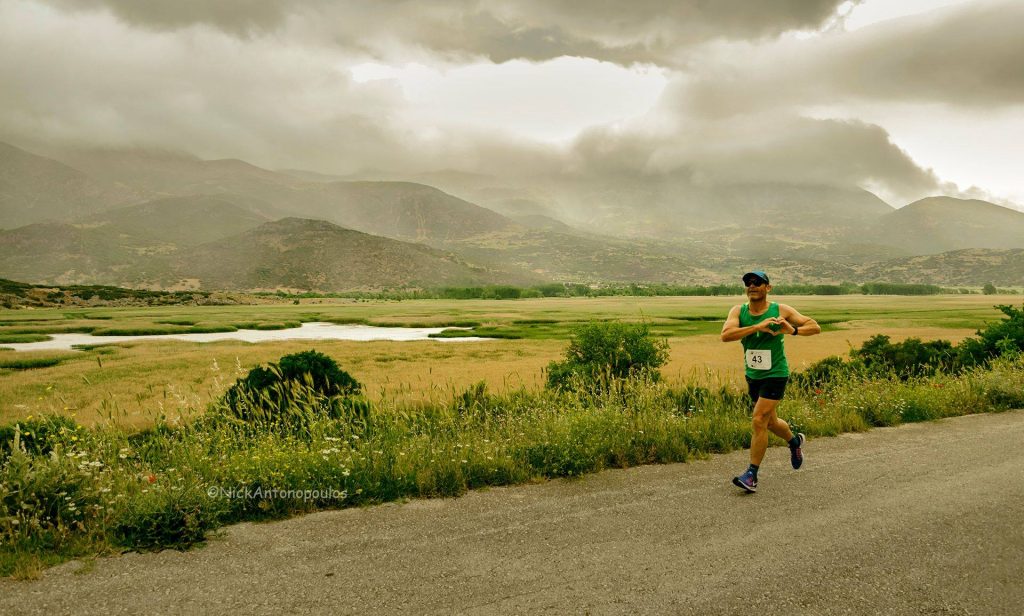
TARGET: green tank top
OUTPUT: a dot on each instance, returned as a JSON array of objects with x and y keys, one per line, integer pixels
[{"x": 764, "y": 355}]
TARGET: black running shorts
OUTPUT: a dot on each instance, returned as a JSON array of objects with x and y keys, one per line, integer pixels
[{"x": 772, "y": 388}]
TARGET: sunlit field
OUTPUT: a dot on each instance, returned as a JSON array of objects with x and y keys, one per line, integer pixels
[{"x": 133, "y": 383}]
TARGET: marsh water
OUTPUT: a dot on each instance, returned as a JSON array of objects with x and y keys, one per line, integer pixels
[{"x": 307, "y": 331}]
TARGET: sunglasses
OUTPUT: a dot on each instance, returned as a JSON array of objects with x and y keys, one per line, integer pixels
[{"x": 754, "y": 282}]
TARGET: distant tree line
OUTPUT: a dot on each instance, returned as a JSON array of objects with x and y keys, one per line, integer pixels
[{"x": 640, "y": 290}]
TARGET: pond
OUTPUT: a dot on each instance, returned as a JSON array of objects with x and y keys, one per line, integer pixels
[{"x": 307, "y": 331}]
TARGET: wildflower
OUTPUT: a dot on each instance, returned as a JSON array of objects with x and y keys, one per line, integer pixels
[{"x": 151, "y": 478}]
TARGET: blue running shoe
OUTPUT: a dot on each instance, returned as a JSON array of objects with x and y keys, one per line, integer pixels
[
  {"x": 747, "y": 481},
  {"x": 796, "y": 454}
]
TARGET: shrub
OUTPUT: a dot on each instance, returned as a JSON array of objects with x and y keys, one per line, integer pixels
[
  {"x": 908, "y": 358},
  {"x": 914, "y": 358},
  {"x": 328, "y": 378},
  {"x": 1004, "y": 337},
  {"x": 599, "y": 353},
  {"x": 825, "y": 372},
  {"x": 296, "y": 389}
]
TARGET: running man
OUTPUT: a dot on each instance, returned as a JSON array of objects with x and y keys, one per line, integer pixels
[{"x": 762, "y": 327}]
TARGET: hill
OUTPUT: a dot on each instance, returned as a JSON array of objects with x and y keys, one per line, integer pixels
[
  {"x": 400, "y": 210},
  {"x": 968, "y": 267},
  {"x": 303, "y": 254},
  {"x": 67, "y": 254},
  {"x": 940, "y": 224},
  {"x": 180, "y": 221},
  {"x": 128, "y": 246},
  {"x": 162, "y": 173},
  {"x": 36, "y": 189}
]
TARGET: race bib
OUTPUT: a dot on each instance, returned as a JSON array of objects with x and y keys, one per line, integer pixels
[{"x": 759, "y": 359}]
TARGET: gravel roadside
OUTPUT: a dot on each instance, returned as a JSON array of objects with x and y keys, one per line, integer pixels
[{"x": 919, "y": 519}]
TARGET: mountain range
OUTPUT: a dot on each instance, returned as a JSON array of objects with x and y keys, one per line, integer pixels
[{"x": 171, "y": 221}]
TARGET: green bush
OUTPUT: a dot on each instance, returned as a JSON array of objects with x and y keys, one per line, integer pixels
[
  {"x": 878, "y": 357},
  {"x": 1005, "y": 337},
  {"x": 600, "y": 353},
  {"x": 825, "y": 372},
  {"x": 296, "y": 389},
  {"x": 908, "y": 358}
]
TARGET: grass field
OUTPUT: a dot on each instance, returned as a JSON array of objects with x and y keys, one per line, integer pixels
[{"x": 133, "y": 383}]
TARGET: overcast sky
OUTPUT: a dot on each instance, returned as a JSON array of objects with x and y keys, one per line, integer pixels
[{"x": 908, "y": 98}]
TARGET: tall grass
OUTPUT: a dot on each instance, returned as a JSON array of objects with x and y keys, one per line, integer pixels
[{"x": 85, "y": 491}]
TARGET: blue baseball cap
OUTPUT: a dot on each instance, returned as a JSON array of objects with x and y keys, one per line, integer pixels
[{"x": 756, "y": 274}]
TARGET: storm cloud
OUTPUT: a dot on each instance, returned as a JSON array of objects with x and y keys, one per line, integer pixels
[
  {"x": 273, "y": 83},
  {"x": 500, "y": 30},
  {"x": 968, "y": 55}
]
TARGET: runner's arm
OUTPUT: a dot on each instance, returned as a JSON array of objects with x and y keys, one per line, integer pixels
[
  {"x": 793, "y": 320},
  {"x": 732, "y": 331}
]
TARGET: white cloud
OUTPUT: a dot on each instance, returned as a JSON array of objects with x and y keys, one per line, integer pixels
[{"x": 549, "y": 101}]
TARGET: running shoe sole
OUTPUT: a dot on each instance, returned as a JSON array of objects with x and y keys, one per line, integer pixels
[{"x": 739, "y": 484}]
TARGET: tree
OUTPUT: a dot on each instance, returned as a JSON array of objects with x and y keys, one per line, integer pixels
[{"x": 989, "y": 289}]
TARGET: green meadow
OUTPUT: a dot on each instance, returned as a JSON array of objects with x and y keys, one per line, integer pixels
[
  {"x": 137, "y": 381},
  {"x": 147, "y": 446}
]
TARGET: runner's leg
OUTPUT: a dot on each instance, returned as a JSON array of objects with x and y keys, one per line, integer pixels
[
  {"x": 764, "y": 414},
  {"x": 779, "y": 427}
]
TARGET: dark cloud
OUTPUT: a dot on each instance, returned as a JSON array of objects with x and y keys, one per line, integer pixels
[
  {"x": 268, "y": 82},
  {"x": 237, "y": 17},
  {"x": 760, "y": 147},
  {"x": 968, "y": 55},
  {"x": 637, "y": 31}
]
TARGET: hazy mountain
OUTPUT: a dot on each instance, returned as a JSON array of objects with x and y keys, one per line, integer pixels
[
  {"x": 36, "y": 189},
  {"x": 970, "y": 267},
  {"x": 311, "y": 176},
  {"x": 129, "y": 246},
  {"x": 588, "y": 258},
  {"x": 61, "y": 253},
  {"x": 173, "y": 173},
  {"x": 539, "y": 222},
  {"x": 615, "y": 229},
  {"x": 939, "y": 224},
  {"x": 296, "y": 253},
  {"x": 401, "y": 210},
  {"x": 179, "y": 221}
]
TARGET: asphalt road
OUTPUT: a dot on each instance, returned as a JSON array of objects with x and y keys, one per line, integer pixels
[{"x": 921, "y": 519}]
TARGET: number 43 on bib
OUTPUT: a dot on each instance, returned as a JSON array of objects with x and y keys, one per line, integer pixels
[{"x": 759, "y": 359}]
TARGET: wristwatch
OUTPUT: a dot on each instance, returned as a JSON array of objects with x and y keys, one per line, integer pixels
[{"x": 796, "y": 328}]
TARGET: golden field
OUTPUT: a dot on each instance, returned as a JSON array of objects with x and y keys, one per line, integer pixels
[{"x": 134, "y": 382}]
